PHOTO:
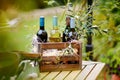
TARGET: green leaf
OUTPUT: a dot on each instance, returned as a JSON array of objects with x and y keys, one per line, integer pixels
[{"x": 8, "y": 64}]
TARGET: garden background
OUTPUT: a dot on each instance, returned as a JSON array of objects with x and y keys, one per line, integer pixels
[{"x": 25, "y": 15}]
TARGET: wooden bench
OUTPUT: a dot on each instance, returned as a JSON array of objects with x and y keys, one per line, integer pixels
[{"x": 90, "y": 71}]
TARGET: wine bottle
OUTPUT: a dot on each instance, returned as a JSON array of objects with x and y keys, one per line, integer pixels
[
  {"x": 67, "y": 29},
  {"x": 42, "y": 34},
  {"x": 55, "y": 35},
  {"x": 72, "y": 35}
]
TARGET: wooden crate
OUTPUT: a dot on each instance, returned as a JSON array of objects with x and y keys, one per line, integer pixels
[{"x": 69, "y": 62}]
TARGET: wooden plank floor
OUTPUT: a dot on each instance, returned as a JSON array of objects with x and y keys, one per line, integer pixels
[{"x": 90, "y": 71}]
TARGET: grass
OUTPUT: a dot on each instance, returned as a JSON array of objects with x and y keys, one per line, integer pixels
[{"x": 19, "y": 36}]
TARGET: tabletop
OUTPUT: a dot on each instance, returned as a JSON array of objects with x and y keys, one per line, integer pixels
[{"x": 90, "y": 71}]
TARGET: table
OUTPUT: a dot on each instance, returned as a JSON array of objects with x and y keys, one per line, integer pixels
[{"x": 90, "y": 71}]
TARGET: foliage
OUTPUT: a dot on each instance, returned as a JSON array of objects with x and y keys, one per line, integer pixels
[
  {"x": 109, "y": 22},
  {"x": 8, "y": 64},
  {"x": 107, "y": 45},
  {"x": 112, "y": 60},
  {"x": 108, "y": 25},
  {"x": 27, "y": 5},
  {"x": 64, "y": 2},
  {"x": 30, "y": 4},
  {"x": 80, "y": 13},
  {"x": 41, "y": 3},
  {"x": 84, "y": 17},
  {"x": 4, "y": 4},
  {"x": 3, "y": 19}
]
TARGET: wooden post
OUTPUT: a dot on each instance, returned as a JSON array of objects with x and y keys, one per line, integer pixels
[{"x": 89, "y": 46}]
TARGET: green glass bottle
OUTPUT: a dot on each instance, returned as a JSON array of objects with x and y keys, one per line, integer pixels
[
  {"x": 67, "y": 29},
  {"x": 72, "y": 35}
]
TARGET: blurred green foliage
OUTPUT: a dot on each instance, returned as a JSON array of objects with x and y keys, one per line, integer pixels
[
  {"x": 27, "y": 5},
  {"x": 106, "y": 15},
  {"x": 3, "y": 19},
  {"x": 8, "y": 65}
]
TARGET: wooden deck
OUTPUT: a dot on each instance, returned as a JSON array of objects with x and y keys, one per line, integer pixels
[{"x": 90, "y": 71}]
